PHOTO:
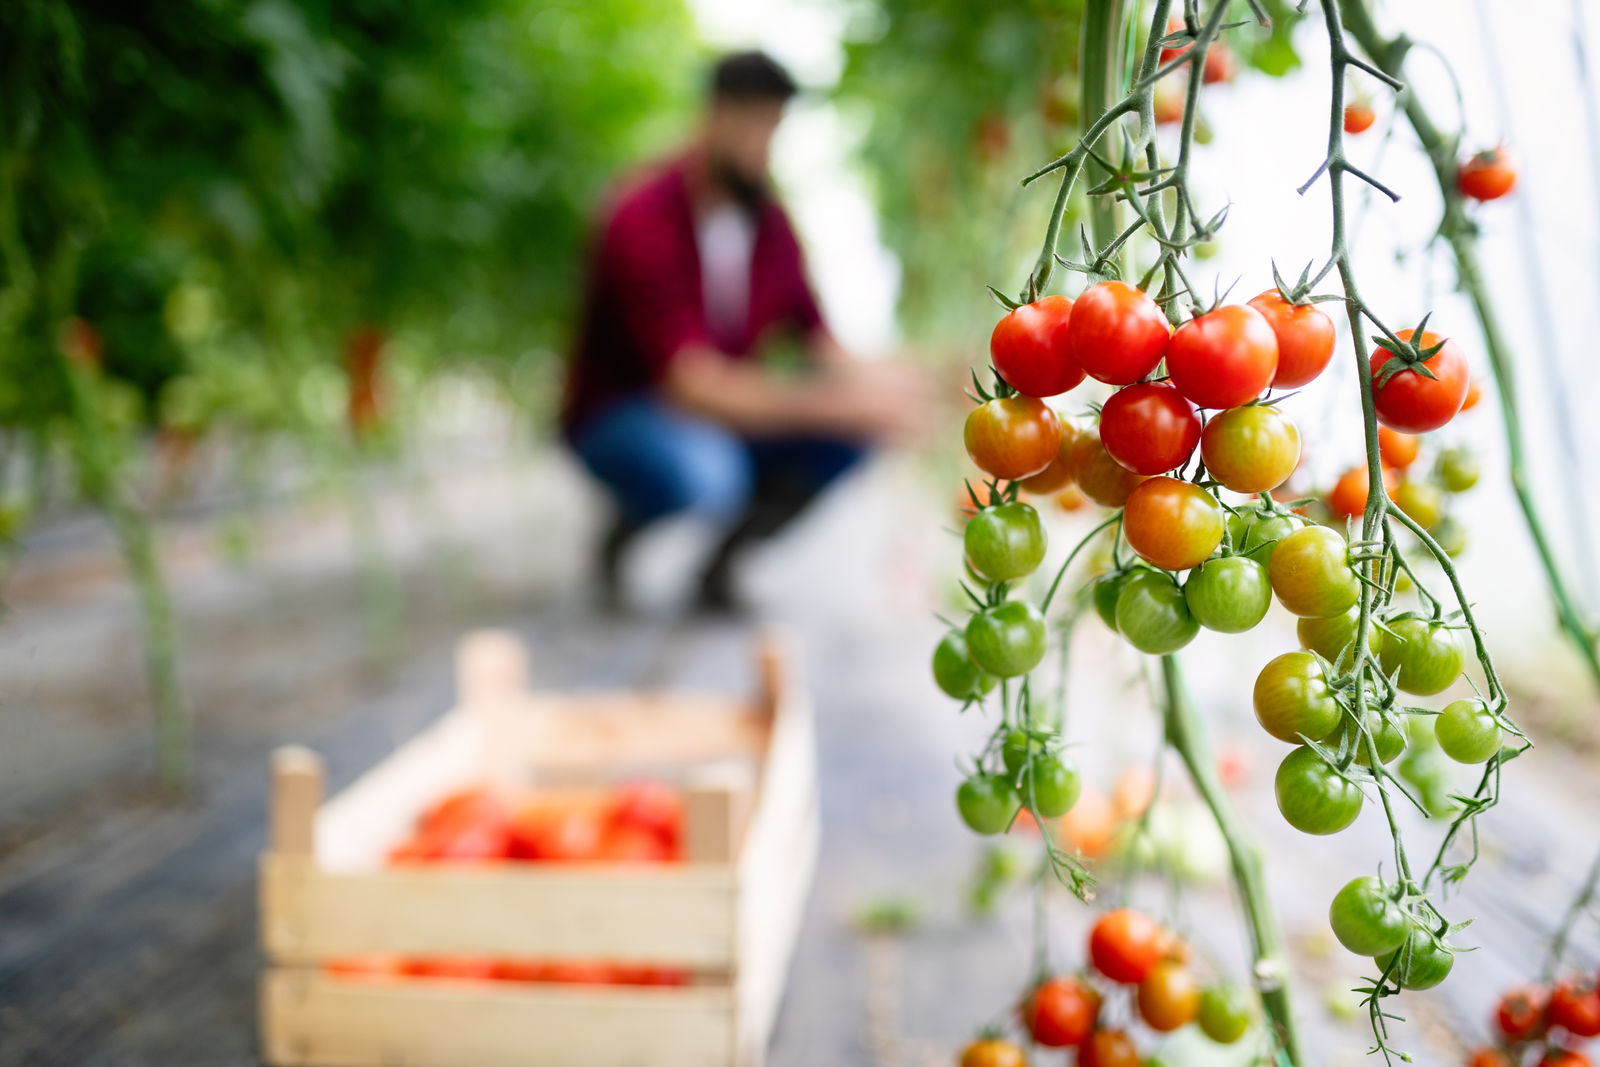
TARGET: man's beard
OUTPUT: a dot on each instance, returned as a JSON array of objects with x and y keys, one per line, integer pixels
[{"x": 749, "y": 194}]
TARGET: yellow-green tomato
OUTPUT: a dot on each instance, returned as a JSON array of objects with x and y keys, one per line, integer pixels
[
  {"x": 1005, "y": 542},
  {"x": 1426, "y": 654},
  {"x": 1334, "y": 637},
  {"x": 1467, "y": 732},
  {"x": 1311, "y": 573},
  {"x": 1292, "y": 699}
]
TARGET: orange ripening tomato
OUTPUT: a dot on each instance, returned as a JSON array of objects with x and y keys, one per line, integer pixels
[
  {"x": 1102, "y": 479},
  {"x": 1134, "y": 792},
  {"x": 1090, "y": 826},
  {"x": 1396, "y": 449},
  {"x": 1489, "y": 1057},
  {"x": 1474, "y": 394},
  {"x": 1172, "y": 524},
  {"x": 1358, "y": 117},
  {"x": 1058, "y": 475},
  {"x": 1169, "y": 997},
  {"x": 1563, "y": 1057},
  {"x": 1409, "y": 402},
  {"x": 1109, "y": 1048},
  {"x": 1012, "y": 437},
  {"x": 1071, "y": 499},
  {"x": 370, "y": 966},
  {"x": 1348, "y": 497},
  {"x": 1305, "y": 336},
  {"x": 1169, "y": 101},
  {"x": 1488, "y": 175},
  {"x": 993, "y": 1052}
]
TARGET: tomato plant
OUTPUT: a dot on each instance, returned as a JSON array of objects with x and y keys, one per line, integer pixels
[
  {"x": 1311, "y": 574},
  {"x": 955, "y": 672},
  {"x": 987, "y": 803},
  {"x": 1575, "y": 1007},
  {"x": 1224, "y": 1013},
  {"x": 1358, "y": 117},
  {"x": 1008, "y": 639},
  {"x": 1109, "y": 1048},
  {"x": 1421, "y": 963},
  {"x": 1029, "y": 348},
  {"x": 1520, "y": 1015},
  {"x": 1152, "y": 614},
  {"x": 1425, "y": 653}
]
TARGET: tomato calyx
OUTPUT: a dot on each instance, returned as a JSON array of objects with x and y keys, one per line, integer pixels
[{"x": 1407, "y": 355}]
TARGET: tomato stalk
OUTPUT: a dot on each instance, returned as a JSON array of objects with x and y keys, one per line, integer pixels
[
  {"x": 1580, "y": 905},
  {"x": 1389, "y": 54}
]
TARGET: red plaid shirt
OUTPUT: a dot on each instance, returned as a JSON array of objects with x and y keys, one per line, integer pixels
[{"x": 643, "y": 303}]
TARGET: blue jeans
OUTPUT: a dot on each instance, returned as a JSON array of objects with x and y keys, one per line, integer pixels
[{"x": 658, "y": 461}]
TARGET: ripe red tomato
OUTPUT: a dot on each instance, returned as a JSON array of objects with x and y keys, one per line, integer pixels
[
  {"x": 1520, "y": 1015},
  {"x": 1109, "y": 1048},
  {"x": 1488, "y": 175},
  {"x": 1358, "y": 117},
  {"x": 1575, "y": 1007},
  {"x": 1029, "y": 348},
  {"x": 651, "y": 806},
  {"x": 1221, "y": 64},
  {"x": 1563, "y": 1057},
  {"x": 1012, "y": 437},
  {"x": 1125, "y": 945},
  {"x": 1305, "y": 338},
  {"x": 1413, "y": 404},
  {"x": 1490, "y": 1057},
  {"x": 1061, "y": 1012},
  {"x": 1396, "y": 449},
  {"x": 1117, "y": 333},
  {"x": 1169, "y": 102},
  {"x": 1348, "y": 497},
  {"x": 1149, "y": 427},
  {"x": 1171, "y": 523},
  {"x": 1102, "y": 479},
  {"x": 1223, "y": 358},
  {"x": 1251, "y": 449},
  {"x": 557, "y": 830}
]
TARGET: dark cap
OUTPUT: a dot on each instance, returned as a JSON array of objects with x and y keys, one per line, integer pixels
[{"x": 751, "y": 76}]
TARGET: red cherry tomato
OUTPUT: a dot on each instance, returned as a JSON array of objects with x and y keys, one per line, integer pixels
[
  {"x": 1305, "y": 338},
  {"x": 1489, "y": 175},
  {"x": 1412, "y": 403},
  {"x": 1521, "y": 1013},
  {"x": 1489, "y": 1057},
  {"x": 1125, "y": 945},
  {"x": 1358, "y": 117},
  {"x": 1171, "y": 523},
  {"x": 1348, "y": 497},
  {"x": 1223, "y": 358},
  {"x": 1117, "y": 334},
  {"x": 1575, "y": 1007},
  {"x": 1029, "y": 348},
  {"x": 1012, "y": 437},
  {"x": 1061, "y": 1012},
  {"x": 1109, "y": 1048},
  {"x": 1563, "y": 1057},
  {"x": 1396, "y": 449},
  {"x": 1149, "y": 427}
]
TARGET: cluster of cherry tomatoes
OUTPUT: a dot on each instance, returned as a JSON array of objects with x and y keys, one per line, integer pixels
[
  {"x": 1133, "y": 956},
  {"x": 1425, "y": 495},
  {"x": 1538, "y": 1024}
]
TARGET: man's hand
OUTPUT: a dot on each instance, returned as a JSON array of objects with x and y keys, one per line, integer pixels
[{"x": 877, "y": 400}]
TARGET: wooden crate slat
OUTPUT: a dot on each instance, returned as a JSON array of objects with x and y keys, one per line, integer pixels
[
  {"x": 682, "y": 915},
  {"x": 310, "y": 1018}
]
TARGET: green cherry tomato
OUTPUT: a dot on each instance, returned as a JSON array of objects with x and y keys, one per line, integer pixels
[
  {"x": 1015, "y": 749},
  {"x": 1334, "y": 637},
  {"x": 1256, "y": 533},
  {"x": 1451, "y": 533},
  {"x": 1387, "y": 737},
  {"x": 1422, "y": 501},
  {"x": 1006, "y": 542},
  {"x": 955, "y": 673},
  {"x": 987, "y": 803},
  {"x": 1152, "y": 614},
  {"x": 1224, "y": 1013},
  {"x": 1106, "y": 590},
  {"x": 1311, "y": 575},
  {"x": 1366, "y": 919},
  {"x": 1312, "y": 796},
  {"x": 1292, "y": 699},
  {"x": 1457, "y": 469},
  {"x": 1008, "y": 639},
  {"x": 1467, "y": 732},
  {"x": 1052, "y": 784},
  {"x": 1424, "y": 962},
  {"x": 1229, "y": 594},
  {"x": 1426, "y": 654}
]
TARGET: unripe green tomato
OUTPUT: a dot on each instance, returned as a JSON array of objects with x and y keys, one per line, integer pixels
[
  {"x": 1292, "y": 699},
  {"x": 1007, "y": 640},
  {"x": 1333, "y": 638},
  {"x": 1467, "y": 732},
  {"x": 1152, "y": 614},
  {"x": 1387, "y": 737},
  {"x": 1224, "y": 1013},
  {"x": 1229, "y": 594},
  {"x": 1451, "y": 533},
  {"x": 1457, "y": 469},
  {"x": 955, "y": 673},
  {"x": 1106, "y": 590},
  {"x": 1311, "y": 795},
  {"x": 1426, "y": 653},
  {"x": 1005, "y": 542},
  {"x": 1422, "y": 501},
  {"x": 1052, "y": 784},
  {"x": 1366, "y": 919},
  {"x": 987, "y": 803},
  {"x": 1424, "y": 962},
  {"x": 1311, "y": 575},
  {"x": 1015, "y": 749},
  {"x": 1255, "y": 534}
]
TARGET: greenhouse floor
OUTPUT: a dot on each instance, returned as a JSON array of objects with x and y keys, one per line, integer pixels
[{"x": 127, "y": 924}]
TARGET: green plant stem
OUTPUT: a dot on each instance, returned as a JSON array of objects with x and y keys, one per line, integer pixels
[
  {"x": 1186, "y": 733},
  {"x": 1580, "y": 904},
  {"x": 1389, "y": 55},
  {"x": 1102, "y": 82}
]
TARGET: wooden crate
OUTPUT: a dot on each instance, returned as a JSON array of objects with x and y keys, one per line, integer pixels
[{"x": 730, "y": 913}]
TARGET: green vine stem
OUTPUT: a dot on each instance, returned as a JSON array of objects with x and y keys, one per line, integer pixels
[
  {"x": 1459, "y": 231},
  {"x": 1580, "y": 905},
  {"x": 1103, "y": 34},
  {"x": 1186, "y": 734}
]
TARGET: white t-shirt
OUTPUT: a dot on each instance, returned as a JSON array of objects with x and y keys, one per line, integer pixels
[{"x": 726, "y": 237}]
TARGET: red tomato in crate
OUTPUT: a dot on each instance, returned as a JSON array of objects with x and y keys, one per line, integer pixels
[
  {"x": 461, "y": 968},
  {"x": 557, "y": 831},
  {"x": 653, "y": 807}
]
